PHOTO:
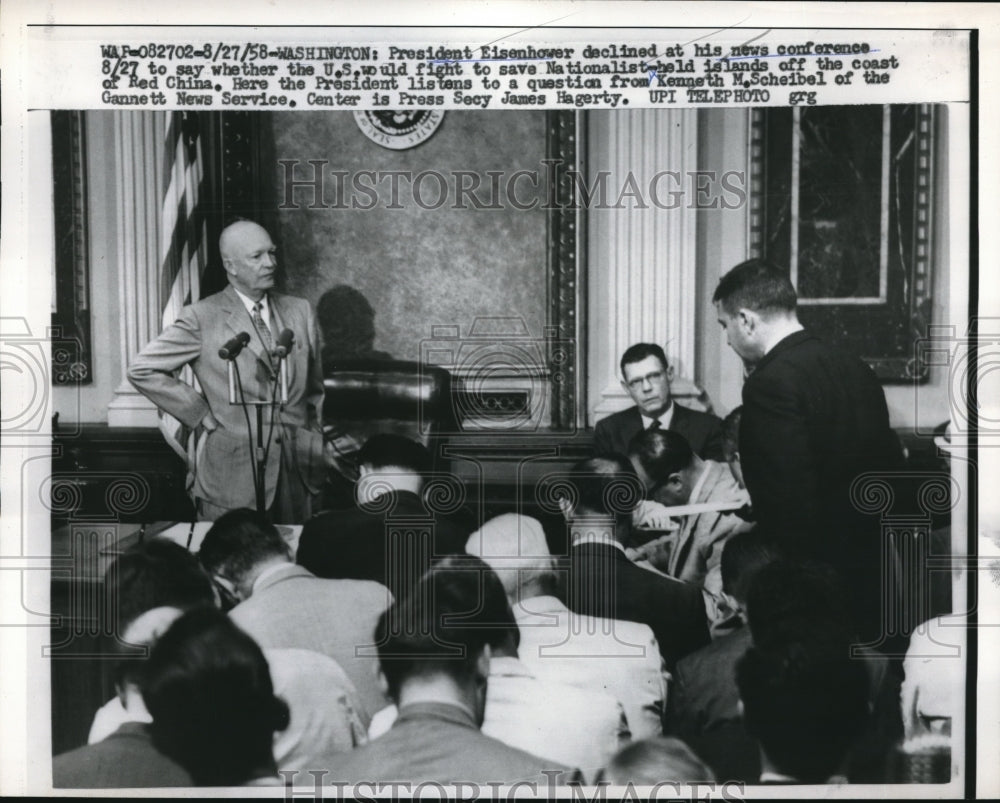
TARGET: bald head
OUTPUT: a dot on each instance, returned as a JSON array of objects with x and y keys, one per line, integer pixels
[
  {"x": 514, "y": 547},
  {"x": 248, "y": 255}
]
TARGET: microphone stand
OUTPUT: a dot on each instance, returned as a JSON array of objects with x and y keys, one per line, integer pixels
[{"x": 279, "y": 398}]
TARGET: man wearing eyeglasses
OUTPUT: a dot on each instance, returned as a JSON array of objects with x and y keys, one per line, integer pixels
[{"x": 646, "y": 377}]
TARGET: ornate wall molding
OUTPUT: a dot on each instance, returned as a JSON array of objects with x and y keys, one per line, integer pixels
[
  {"x": 72, "y": 346},
  {"x": 642, "y": 258}
]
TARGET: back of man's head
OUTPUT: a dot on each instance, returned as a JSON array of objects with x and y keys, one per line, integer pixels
[
  {"x": 756, "y": 285},
  {"x": 655, "y": 760},
  {"x": 514, "y": 546},
  {"x": 661, "y": 453},
  {"x": 604, "y": 486},
  {"x": 387, "y": 450},
  {"x": 743, "y": 556},
  {"x": 805, "y": 703},
  {"x": 637, "y": 352},
  {"x": 442, "y": 627},
  {"x": 154, "y": 574},
  {"x": 239, "y": 541},
  {"x": 145, "y": 588},
  {"x": 793, "y": 599}
]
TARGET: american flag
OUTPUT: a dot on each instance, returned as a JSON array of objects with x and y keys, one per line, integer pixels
[{"x": 183, "y": 250}]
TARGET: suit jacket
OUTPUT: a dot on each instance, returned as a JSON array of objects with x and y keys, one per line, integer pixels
[
  {"x": 702, "y": 430},
  {"x": 814, "y": 419},
  {"x": 575, "y": 727},
  {"x": 697, "y": 551},
  {"x": 323, "y": 707},
  {"x": 291, "y": 608},
  {"x": 359, "y": 542},
  {"x": 704, "y": 693},
  {"x": 324, "y": 710},
  {"x": 603, "y": 582},
  {"x": 439, "y": 742},
  {"x": 126, "y": 758},
  {"x": 223, "y": 467},
  {"x": 615, "y": 656}
]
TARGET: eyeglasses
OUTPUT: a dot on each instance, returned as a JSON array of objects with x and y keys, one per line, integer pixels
[{"x": 652, "y": 378}]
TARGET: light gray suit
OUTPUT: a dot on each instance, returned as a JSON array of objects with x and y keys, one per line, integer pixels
[
  {"x": 223, "y": 475},
  {"x": 291, "y": 607}
]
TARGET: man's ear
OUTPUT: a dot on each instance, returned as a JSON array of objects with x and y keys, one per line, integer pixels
[
  {"x": 748, "y": 319},
  {"x": 669, "y": 373},
  {"x": 483, "y": 663},
  {"x": 383, "y": 683}
]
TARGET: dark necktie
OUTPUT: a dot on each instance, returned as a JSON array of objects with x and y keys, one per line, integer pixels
[{"x": 655, "y": 425}]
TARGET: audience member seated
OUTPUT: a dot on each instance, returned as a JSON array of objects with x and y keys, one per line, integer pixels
[
  {"x": 731, "y": 444},
  {"x": 933, "y": 691},
  {"x": 704, "y": 708},
  {"x": 796, "y": 600},
  {"x": 283, "y": 605},
  {"x": 435, "y": 659},
  {"x": 620, "y": 657},
  {"x": 932, "y": 699},
  {"x": 646, "y": 377},
  {"x": 603, "y": 582},
  {"x": 145, "y": 590},
  {"x": 164, "y": 574},
  {"x": 364, "y": 543},
  {"x": 578, "y": 728},
  {"x": 120, "y": 752},
  {"x": 675, "y": 475},
  {"x": 805, "y": 703},
  {"x": 208, "y": 688},
  {"x": 656, "y": 761}
]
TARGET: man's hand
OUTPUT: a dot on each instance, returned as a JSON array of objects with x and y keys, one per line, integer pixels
[
  {"x": 650, "y": 515},
  {"x": 209, "y": 422}
]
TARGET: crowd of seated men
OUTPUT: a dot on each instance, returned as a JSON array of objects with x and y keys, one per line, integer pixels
[{"x": 377, "y": 653}]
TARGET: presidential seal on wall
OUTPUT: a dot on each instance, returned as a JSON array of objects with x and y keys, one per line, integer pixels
[{"x": 398, "y": 129}]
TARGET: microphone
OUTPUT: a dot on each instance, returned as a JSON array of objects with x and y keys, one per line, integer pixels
[
  {"x": 232, "y": 347},
  {"x": 285, "y": 341}
]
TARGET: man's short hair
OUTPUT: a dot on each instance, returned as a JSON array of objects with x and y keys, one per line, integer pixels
[
  {"x": 606, "y": 485},
  {"x": 731, "y": 433},
  {"x": 796, "y": 599},
  {"x": 457, "y": 608},
  {"x": 661, "y": 453},
  {"x": 640, "y": 351},
  {"x": 154, "y": 574},
  {"x": 208, "y": 688},
  {"x": 743, "y": 555},
  {"x": 238, "y": 541},
  {"x": 756, "y": 285},
  {"x": 805, "y": 703},
  {"x": 652, "y": 761},
  {"x": 389, "y": 450}
]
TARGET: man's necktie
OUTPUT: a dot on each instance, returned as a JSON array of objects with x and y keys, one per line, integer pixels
[
  {"x": 263, "y": 331},
  {"x": 655, "y": 425}
]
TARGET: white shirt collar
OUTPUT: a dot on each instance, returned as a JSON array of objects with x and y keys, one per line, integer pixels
[
  {"x": 664, "y": 418},
  {"x": 598, "y": 538},
  {"x": 265, "y": 307}
]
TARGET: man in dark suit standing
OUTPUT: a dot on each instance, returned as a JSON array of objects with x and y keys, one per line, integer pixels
[
  {"x": 814, "y": 419},
  {"x": 603, "y": 582},
  {"x": 646, "y": 377}
]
